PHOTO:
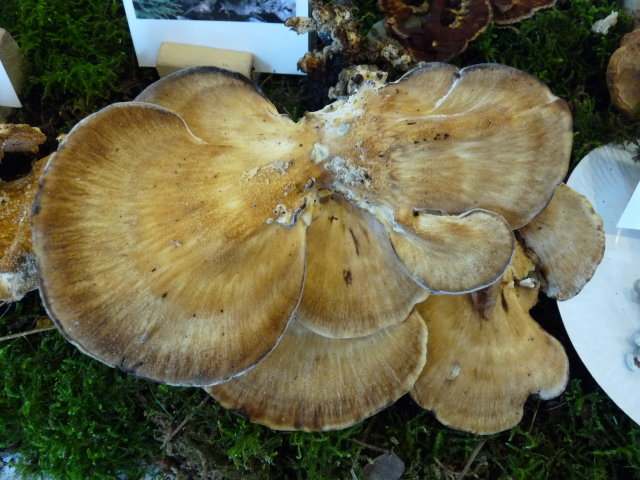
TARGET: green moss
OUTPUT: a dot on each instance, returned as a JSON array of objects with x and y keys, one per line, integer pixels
[
  {"x": 80, "y": 58},
  {"x": 70, "y": 417}
]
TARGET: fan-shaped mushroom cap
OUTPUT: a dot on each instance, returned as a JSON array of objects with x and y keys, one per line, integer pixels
[
  {"x": 568, "y": 240},
  {"x": 310, "y": 382},
  {"x": 623, "y": 74},
  {"x": 171, "y": 255},
  {"x": 437, "y": 29},
  {"x": 511, "y": 11},
  {"x": 486, "y": 356},
  {"x": 170, "y": 231},
  {"x": 480, "y": 240},
  {"x": 17, "y": 261},
  {"x": 355, "y": 284}
]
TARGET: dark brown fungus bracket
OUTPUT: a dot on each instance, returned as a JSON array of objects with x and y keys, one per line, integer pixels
[
  {"x": 193, "y": 235},
  {"x": 436, "y": 30},
  {"x": 506, "y": 12}
]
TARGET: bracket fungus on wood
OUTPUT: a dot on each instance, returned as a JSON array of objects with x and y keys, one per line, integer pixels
[
  {"x": 17, "y": 261},
  {"x": 194, "y": 235},
  {"x": 436, "y": 30}
]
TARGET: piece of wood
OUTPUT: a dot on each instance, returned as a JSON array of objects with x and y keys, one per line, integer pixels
[{"x": 174, "y": 56}]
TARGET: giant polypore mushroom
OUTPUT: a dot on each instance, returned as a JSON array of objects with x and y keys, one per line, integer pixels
[{"x": 180, "y": 234}]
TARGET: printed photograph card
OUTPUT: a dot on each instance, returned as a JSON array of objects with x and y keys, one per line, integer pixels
[{"x": 254, "y": 26}]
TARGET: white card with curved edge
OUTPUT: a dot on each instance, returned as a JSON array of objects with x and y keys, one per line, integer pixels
[
  {"x": 630, "y": 218},
  {"x": 8, "y": 96},
  {"x": 604, "y": 317}
]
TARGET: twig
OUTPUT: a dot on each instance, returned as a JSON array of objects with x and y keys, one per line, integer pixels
[
  {"x": 369, "y": 446},
  {"x": 447, "y": 471},
  {"x": 28, "y": 332},
  {"x": 473, "y": 456},
  {"x": 535, "y": 415},
  {"x": 183, "y": 423}
]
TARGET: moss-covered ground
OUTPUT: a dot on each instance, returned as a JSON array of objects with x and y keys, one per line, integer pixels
[{"x": 73, "y": 418}]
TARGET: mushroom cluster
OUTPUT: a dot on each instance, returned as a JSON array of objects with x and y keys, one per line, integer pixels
[{"x": 310, "y": 273}]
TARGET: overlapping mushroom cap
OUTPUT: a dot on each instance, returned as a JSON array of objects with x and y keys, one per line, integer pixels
[
  {"x": 487, "y": 355},
  {"x": 194, "y": 235}
]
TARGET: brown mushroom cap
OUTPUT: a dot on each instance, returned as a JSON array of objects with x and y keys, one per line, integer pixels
[
  {"x": 506, "y": 12},
  {"x": 17, "y": 261},
  {"x": 310, "y": 382},
  {"x": 568, "y": 240},
  {"x": 170, "y": 231},
  {"x": 355, "y": 284},
  {"x": 484, "y": 362},
  {"x": 436, "y": 30},
  {"x": 173, "y": 257},
  {"x": 480, "y": 241},
  {"x": 623, "y": 74}
]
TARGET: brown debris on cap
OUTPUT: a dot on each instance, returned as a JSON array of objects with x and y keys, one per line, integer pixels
[
  {"x": 436, "y": 30},
  {"x": 487, "y": 355},
  {"x": 568, "y": 240},
  {"x": 19, "y": 138},
  {"x": 355, "y": 285},
  {"x": 623, "y": 74},
  {"x": 18, "y": 274},
  {"x": 315, "y": 383},
  {"x": 170, "y": 249},
  {"x": 506, "y": 12}
]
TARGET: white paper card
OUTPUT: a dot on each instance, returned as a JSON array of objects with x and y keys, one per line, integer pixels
[
  {"x": 630, "y": 217},
  {"x": 276, "y": 48},
  {"x": 8, "y": 96}
]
